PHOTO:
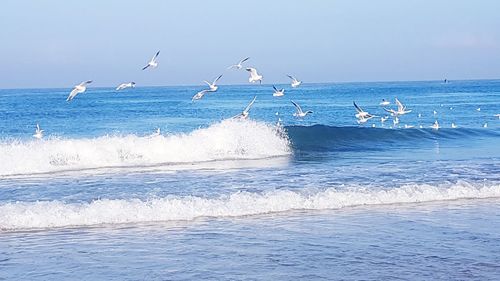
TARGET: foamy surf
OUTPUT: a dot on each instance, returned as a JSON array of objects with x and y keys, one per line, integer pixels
[
  {"x": 228, "y": 139},
  {"x": 51, "y": 214}
]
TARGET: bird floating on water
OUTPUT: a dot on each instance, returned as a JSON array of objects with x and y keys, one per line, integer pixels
[
  {"x": 254, "y": 76},
  {"x": 278, "y": 93},
  {"x": 295, "y": 83},
  {"x": 38, "y": 132},
  {"x": 239, "y": 65},
  {"x": 124, "y": 86},
  {"x": 78, "y": 89},
  {"x": 435, "y": 126},
  {"x": 299, "y": 113},
  {"x": 153, "y": 63},
  {"x": 453, "y": 125}
]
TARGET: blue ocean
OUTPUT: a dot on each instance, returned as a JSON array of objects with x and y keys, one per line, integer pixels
[{"x": 102, "y": 196}]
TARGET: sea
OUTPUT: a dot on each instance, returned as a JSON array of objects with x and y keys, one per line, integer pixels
[{"x": 274, "y": 197}]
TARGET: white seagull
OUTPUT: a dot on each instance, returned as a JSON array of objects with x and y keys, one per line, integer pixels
[
  {"x": 125, "y": 86},
  {"x": 361, "y": 113},
  {"x": 453, "y": 125},
  {"x": 295, "y": 83},
  {"x": 384, "y": 102},
  {"x": 401, "y": 109},
  {"x": 299, "y": 112},
  {"x": 383, "y": 119},
  {"x": 156, "y": 133},
  {"x": 152, "y": 63},
  {"x": 213, "y": 87},
  {"x": 254, "y": 76},
  {"x": 78, "y": 89},
  {"x": 38, "y": 133},
  {"x": 240, "y": 64},
  {"x": 246, "y": 111},
  {"x": 435, "y": 126},
  {"x": 278, "y": 93},
  {"x": 199, "y": 95},
  {"x": 497, "y": 115}
]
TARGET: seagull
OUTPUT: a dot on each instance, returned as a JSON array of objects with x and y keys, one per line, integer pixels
[
  {"x": 254, "y": 76},
  {"x": 199, "y": 95},
  {"x": 361, "y": 113},
  {"x": 213, "y": 87},
  {"x": 497, "y": 115},
  {"x": 78, "y": 89},
  {"x": 384, "y": 102},
  {"x": 244, "y": 115},
  {"x": 478, "y": 109},
  {"x": 152, "y": 63},
  {"x": 125, "y": 86},
  {"x": 38, "y": 133},
  {"x": 240, "y": 64},
  {"x": 362, "y": 120},
  {"x": 395, "y": 121},
  {"x": 409, "y": 126},
  {"x": 401, "y": 109},
  {"x": 278, "y": 93},
  {"x": 435, "y": 112},
  {"x": 435, "y": 126},
  {"x": 383, "y": 119},
  {"x": 299, "y": 112},
  {"x": 295, "y": 83},
  {"x": 420, "y": 115},
  {"x": 485, "y": 125},
  {"x": 453, "y": 125}
]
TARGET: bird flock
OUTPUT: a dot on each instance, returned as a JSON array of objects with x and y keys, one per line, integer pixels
[{"x": 361, "y": 115}]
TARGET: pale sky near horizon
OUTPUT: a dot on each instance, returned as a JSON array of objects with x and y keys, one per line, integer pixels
[{"x": 57, "y": 43}]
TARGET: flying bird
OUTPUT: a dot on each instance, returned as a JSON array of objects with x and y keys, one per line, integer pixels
[
  {"x": 254, "y": 76},
  {"x": 152, "y": 63},
  {"x": 213, "y": 87},
  {"x": 295, "y": 83},
  {"x": 278, "y": 93},
  {"x": 38, "y": 132},
  {"x": 78, "y": 89},
  {"x": 199, "y": 95},
  {"x": 124, "y": 86},
  {"x": 299, "y": 112},
  {"x": 361, "y": 113},
  {"x": 246, "y": 111},
  {"x": 400, "y": 111},
  {"x": 240, "y": 64}
]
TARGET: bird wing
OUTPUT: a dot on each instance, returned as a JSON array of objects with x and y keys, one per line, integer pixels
[
  {"x": 358, "y": 109},
  {"x": 291, "y": 77},
  {"x": 73, "y": 93},
  {"x": 232, "y": 66},
  {"x": 199, "y": 95},
  {"x": 247, "y": 109},
  {"x": 155, "y": 56},
  {"x": 299, "y": 110},
  {"x": 145, "y": 66},
  {"x": 244, "y": 60},
  {"x": 217, "y": 79},
  {"x": 400, "y": 105},
  {"x": 253, "y": 71},
  {"x": 276, "y": 90}
]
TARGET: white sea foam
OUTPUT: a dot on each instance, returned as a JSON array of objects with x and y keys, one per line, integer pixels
[
  {"x": 229, "y": 139},
  {"x": 19, "y": 215}
]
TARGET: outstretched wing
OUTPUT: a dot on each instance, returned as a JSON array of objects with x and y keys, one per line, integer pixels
[
  {"x": 358, "y": 109},
  {"x": 400, "y": 105},
  {"x": 291, "y": 77},
  {"x": 217, "y": 79},
  {"x": 247, "y": 109},
  {"x": 155, "y": 56},
  {"x": 244, "y": 60},
  {"x": 297, "y": 106}
]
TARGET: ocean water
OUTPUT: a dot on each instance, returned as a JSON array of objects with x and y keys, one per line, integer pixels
[{"x": 214, "y": 198}]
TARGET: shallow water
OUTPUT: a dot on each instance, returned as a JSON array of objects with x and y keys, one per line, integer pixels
[{"x": 211, "y": 198}]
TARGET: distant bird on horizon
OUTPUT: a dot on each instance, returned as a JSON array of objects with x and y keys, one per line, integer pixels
[
  {"x": 299, "y": 113},
  {"x": 244, "y": 115},
  {"x": 38, "y": 132},
  {"x": 239, "y": 65},
  {"x": 78, "y": 89},
  {"x": 152, "y": 63},
  {"x": 278, "y": 93},
  {"x": 213, "y": 87},
  {"x": 254, "y": 76},
  {"x": 124, "y": 86},
  {"x": 295, "y": 83}
]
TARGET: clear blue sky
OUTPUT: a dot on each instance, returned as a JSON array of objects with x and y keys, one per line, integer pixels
[{"x": 60, "y": 43}]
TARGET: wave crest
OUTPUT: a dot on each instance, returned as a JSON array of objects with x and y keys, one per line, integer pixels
[
  {"x": 19, "y": 215},
  {"x": 228, "y": 139}
]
